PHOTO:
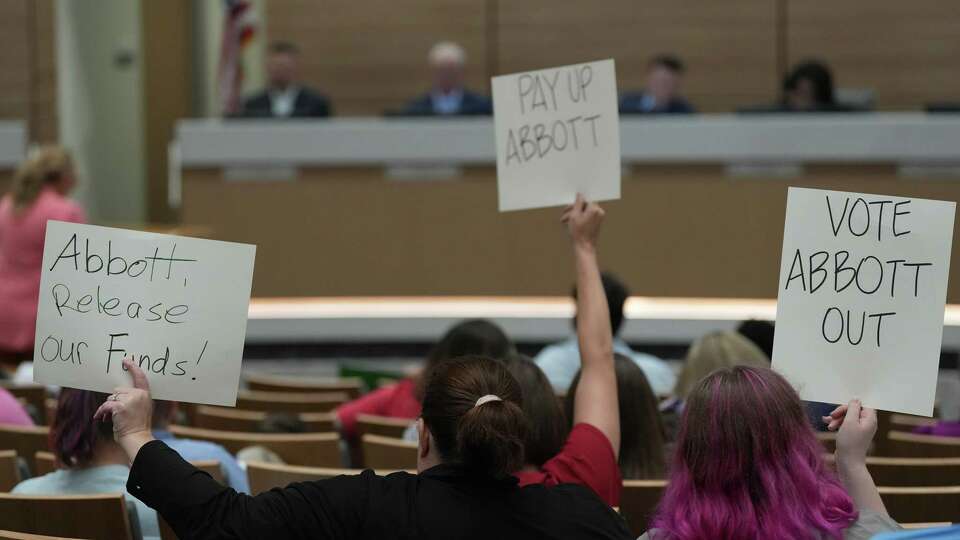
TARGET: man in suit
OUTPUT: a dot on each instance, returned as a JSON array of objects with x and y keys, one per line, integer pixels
[
  {"x": 448, "y": 97},
  {"x": 285, "y": 97},
  {"x": 662, "y": 92}
]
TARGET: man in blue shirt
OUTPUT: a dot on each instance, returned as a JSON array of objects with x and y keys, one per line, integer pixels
[
  {"x": 192, "y": 450},
  {"x": 560, "y": 362},
  {"x": 448, "y": 96},
  {"x": 662, "y": 92}
]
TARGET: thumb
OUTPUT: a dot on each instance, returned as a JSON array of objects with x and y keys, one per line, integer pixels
[
  {"x": 139, "y": 377},
  {"x": 853, "y": 413}
]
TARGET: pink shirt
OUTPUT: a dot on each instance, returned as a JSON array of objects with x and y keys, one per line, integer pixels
[
  {"x": 21, "y": 258},
  {"x": 11, "y": 411}
]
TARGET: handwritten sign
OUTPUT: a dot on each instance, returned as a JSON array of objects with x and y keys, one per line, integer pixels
[
  {"x": 557, "y": 134},
  {"x": 863, "y": 284},
  {"x": 176, "y": 306}
]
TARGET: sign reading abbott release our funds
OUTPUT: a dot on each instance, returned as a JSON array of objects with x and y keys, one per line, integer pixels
[
  {"x": 557, "y": 133},
  {"x": 175, "y": 306},
  {"x": 863, "y": 285}
]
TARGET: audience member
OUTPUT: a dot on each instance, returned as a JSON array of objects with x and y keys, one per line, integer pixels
[
  {"x": 39, "y": 193},
  {"x": 285, "y": 96},
  {"x": 402, "y": 399},
  {"x": 561, "y": 361},
  {"x": 662, "y": 94},
  {"x": 548, "y": 426},
  {"x": 760, "y": 333},
  {"x": 642, "y": 433},
  {"x": 748, "y": 465},
  {"x": 192, "y": 450},
  {"x": 11, "y": 411},
  {"x": 89, "y": 460},
  {"x": 447, "y": 95}
]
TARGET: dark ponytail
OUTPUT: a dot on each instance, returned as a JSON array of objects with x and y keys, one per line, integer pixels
[{"x": 486, "y": 439}]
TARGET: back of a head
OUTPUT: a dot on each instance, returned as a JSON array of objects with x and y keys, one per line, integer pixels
[
  {"x": 617, "y": 294},
  {"x": 474, "y": 337},
  {"x": 547, "y": 424},
  {"x": 43, "y": 167},
  {"x": 714, "y": 351},
  {"x": 486, "y": 439},
  {"x": 760, "y": 333},
  {"x": 75, "y": 436},
  {"x": 747, "y": 460},
  {"x": 818, "y": 75},
  {"x": 281, "y": 422},
  {"x": 642, "y": 433}
]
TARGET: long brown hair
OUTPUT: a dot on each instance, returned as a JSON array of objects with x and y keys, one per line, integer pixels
[
  {"x": 43, "y": 167},
  {"x": 487, "y": 439},
  {"x": 548, "y": 425}
]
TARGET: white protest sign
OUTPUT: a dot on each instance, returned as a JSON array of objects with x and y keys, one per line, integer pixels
[
  {"x": 558, "y": 134},
  {"x": 863, "y": 285},
  {"x": 177, "y": 306}
]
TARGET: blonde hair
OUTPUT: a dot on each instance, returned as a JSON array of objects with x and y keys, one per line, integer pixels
[
  {"x": 714, "y": 351},
  {"x": 43, "y": 166},
  {"x": 447, "y": 52}
]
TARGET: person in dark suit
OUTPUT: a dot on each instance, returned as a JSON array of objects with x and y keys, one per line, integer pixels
[
  {"x": 807, "y": 88},
  {"x": 662, "y": 92},
  {"x": 448, "y": 97},
  {"x": 285, "y": 97}
]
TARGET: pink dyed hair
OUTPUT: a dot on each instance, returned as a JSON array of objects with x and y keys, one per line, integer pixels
[{"x": 748, "y": 466}]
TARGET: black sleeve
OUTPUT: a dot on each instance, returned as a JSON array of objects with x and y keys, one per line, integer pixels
[{"x": 196, "y": 506}]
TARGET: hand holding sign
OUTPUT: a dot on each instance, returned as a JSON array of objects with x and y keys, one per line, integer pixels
[
  {"x": 130, "y": 409},
  {"x": 558, "y": 134}
]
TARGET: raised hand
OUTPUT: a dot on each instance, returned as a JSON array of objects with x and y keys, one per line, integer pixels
[
  {"x": 583, "y": 220},
  {"x": 131, "y": 410}
]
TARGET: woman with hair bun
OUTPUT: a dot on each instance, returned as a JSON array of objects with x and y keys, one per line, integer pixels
[{"x": 471, "y": 437}]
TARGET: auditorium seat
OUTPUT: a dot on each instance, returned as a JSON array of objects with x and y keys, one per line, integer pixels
[
  {"x": 253, "y": 400},
  {"x": 370, "y": 424},
  {"x": 638, "y": 501},
  {"x": 904, "y": 444},
  {"x": 10, "y": 535},
  {"x": 887, "y": 471},
  {"x": 381, "y": 452},
  {"x": 9, "y": 470},
  {"x": 930, "y": 525},
  {"x": 51, "y": 410},
  {"x": 351, "y": 386},
  {"x": 80, "y": 516},
  {"x": 45, "y": 462},
  {"x": 266, "y": 476},
  {"x": 26, "y": 440},
  {"x": 34, "y": 395},
  {"x": 226, "y": 419},
  {"x": 312, "y": 449},
  {"x": 922, "y": 504},
  {"x": 829, "y": 440}
]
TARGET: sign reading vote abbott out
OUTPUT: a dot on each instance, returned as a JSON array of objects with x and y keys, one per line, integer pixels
[
  {"x": 176, "y": 306},
  {"x": 557, "y": 135},
  {"x": 863, "y": 283}
]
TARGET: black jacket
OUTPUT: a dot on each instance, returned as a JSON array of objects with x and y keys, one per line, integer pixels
[{"x": 309, "y": 104}]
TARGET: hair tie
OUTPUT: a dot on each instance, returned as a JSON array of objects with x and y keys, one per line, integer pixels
[{"x": 486, "y": 399}]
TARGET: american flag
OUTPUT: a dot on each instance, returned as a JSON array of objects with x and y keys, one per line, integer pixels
[{"x": 238, "y": 30}]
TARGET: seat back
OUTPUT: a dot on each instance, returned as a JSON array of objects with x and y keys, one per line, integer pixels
[
  {"x": 351, "y": 386},
  {"x": 382, "y": 425},
  {"x": 828, "y": 439},
  {"x": 10, "y": 535},
  {"x": 26, "y": 440},
  {"x": 45, "y": 462},
  {"x": 638, "y": 502},
  {"x": 311, "y": 449},
  {"x": 922, "y": 504},
  {"x": 83, "y": 516},
  {"x": 226, "y": 419},
  {"x": 34, "y": 395},
  {"x": 887, "y": 471},
  {"x": 903, "y": 444},
  {"x": 381, "y": 452},
  {"x": 290, "y": 402},
  {"x": 9, "y": 470}
]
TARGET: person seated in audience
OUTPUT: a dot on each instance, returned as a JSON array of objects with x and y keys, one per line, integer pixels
[
  {"x": 548, "y": 425},
  {"x": 12, "y": 412},
  {"x": 561, "y": 361},
  {"x": 89, "y": 460},
  {"x": 163, "y": 413},
  {"x": 448, "y": 96},
  {"x": 761, "y": 333},
  {"x": 662, "y": 94},
  {"x": 403, "y": 399},
  {"x": 39, "y": 193},
  {"x": 285, "y": 96},
  {"x": 642, "y": 434},
  {"x": 747, "y": 465}
]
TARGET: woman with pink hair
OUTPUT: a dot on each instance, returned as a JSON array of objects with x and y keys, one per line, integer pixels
[{"x": 747, "y": 466}]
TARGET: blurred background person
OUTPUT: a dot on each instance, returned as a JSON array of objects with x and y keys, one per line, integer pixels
[
  {"x": 39, "y": 193},
  {"x": 662, "y": 93},
  {"x": 809, "y": 88},
  {"x": 561, "y": 361},
  {"x": 285, "y": 96},
  {"x": 447, "y": 95}
]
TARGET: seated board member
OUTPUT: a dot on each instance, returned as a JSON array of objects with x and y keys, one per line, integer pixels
[
  {"x": 447, "y": 95},
  {"x": 285, "y": 96},
  {"x": 662, "y": 93}
]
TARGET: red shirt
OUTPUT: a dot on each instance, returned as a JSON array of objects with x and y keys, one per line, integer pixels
[
  {"x": 587, "y": 459},
  {"x": 393, "y": 400}
]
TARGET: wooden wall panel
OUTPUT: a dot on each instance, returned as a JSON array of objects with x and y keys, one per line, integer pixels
[
  {"x": 370, "y": 55},
  {"x": 43, "y": 115},
  {"x": 14, "y": 59},
  {"x": 28, "y": 87},
  {"x": 907, "y": 51},
  {"x": 729, "y": 47}
]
